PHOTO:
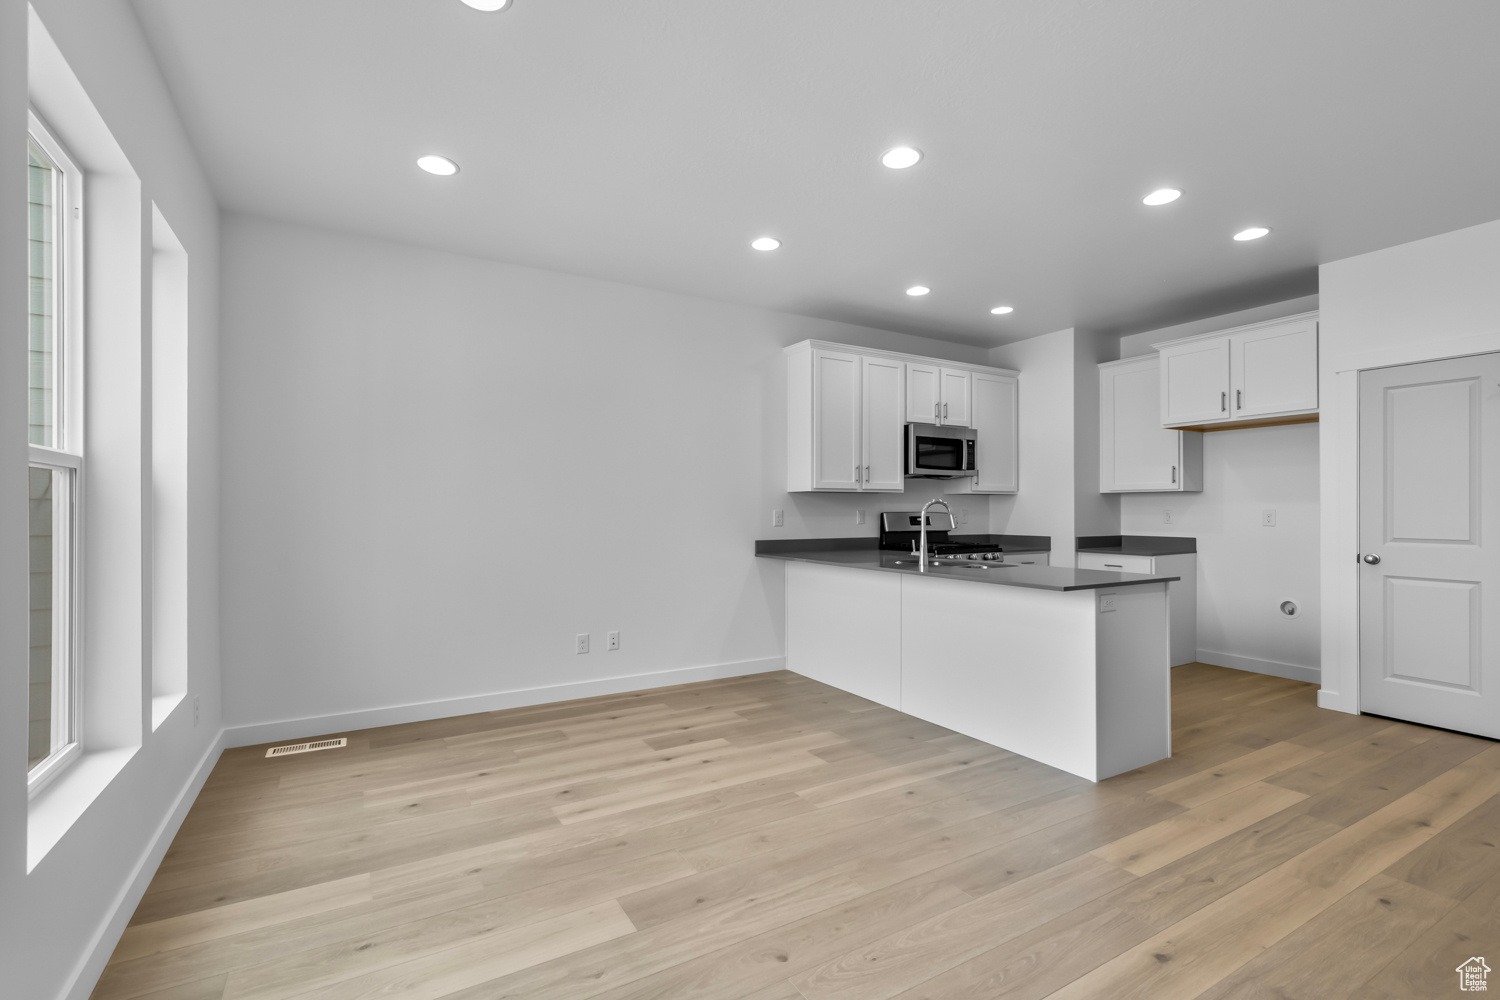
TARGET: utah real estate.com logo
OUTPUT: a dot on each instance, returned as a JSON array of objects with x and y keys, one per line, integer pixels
[{"x": 1471, "y": 975}]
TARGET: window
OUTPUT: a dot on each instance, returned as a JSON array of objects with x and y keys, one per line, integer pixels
[{"x": 54, "y": 427}]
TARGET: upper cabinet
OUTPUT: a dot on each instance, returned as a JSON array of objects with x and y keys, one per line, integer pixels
[
  {"x": 937, "y": 395},
  {"x": 847, "y": 411},
  {"x": 1263, "y": 372},
  {"x": 1136, "y": 454}
]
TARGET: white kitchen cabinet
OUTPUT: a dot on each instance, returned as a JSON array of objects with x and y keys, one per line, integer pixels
[
  {"x": 923, "y": 393},
  {"x": 1182, "y": 595},
  {"x": 936, "y": 394},
  {"x": 847, "y": 410},
  {"x": 1260, "y": 372},
  {"x": 995, "y": 402},
  {"x": 956, "y": 385},
  {"x": 844, "y": 421},
  {"x": 883, "y": 436},
  {"x": 1136, "y": 454}
]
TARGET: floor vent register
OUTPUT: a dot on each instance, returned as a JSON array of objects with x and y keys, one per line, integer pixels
[{"x": 292, "y": 748}]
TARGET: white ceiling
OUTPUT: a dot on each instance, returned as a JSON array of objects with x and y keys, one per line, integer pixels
[{"x": 647, "y": 141}]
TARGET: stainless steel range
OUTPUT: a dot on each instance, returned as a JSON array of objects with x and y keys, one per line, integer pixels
[{"x": 901, "y": 529}]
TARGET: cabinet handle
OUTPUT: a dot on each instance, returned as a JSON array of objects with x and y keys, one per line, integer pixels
[
  {"x": 1223, "y": 402},
  {"x": 1114, "y": 565},
  {"x": 856, "y": 475},
  {"x": 945, "y": 411},
  {"x": 1239, "y": 399},
  {"x": 937, "y": 412},
  {"x": 1174, "y": 474},
  {"x": 867, "y": 473}
]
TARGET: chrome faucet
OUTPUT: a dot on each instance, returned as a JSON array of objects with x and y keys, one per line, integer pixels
[{"x": 922, "y": 552}]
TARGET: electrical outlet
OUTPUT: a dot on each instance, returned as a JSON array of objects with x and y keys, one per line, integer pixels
[
  {"x": 581, "y": 642},
  {"x": 195, "y": 711},
  {"x": 1168, "y": 517},
  {"x": 778, "y": 518},
  {"x": 859, "y": 517},
  {"x": 963, "y": 515},
  {"x": 1106, "y": 603},
  {"x": 1268, "y": 519},
  {"x": 614, "y": 640}
]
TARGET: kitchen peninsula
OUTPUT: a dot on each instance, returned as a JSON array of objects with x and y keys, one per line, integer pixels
[{"x": 1065, "y": 666}]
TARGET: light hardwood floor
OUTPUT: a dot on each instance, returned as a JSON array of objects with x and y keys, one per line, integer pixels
[{"x": 770, "y": 838}]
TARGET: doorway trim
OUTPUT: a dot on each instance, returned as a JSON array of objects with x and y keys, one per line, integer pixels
[{"x": 1338, "y": 498}]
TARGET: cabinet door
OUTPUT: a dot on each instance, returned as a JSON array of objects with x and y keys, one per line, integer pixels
[
  {"x": 922, "y": 393},
  {"x": 884, "y": 427},
  {"x": 1195, "y": 382},
  {"x": 1274, "y": 369},
  {"x": 838, "y": 463},
  {"x": 955, "y": 398},
  {"x": 1136, "y": 454},
  {"x": 995, "y": 433}
]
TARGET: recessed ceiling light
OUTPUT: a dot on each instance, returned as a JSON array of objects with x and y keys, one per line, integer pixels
[
  {"x": 766, "y": 243},
  {"x": 901, "y": 157},
  {"x": 1253, "y": 233},
  {"x": 488, "y": 5},
  {"x": 1162, "y": 196},
  {"x": 1002, "y": 310},
  {"x": 916, "y": 290},
  {"x": 440, "y": 165}
]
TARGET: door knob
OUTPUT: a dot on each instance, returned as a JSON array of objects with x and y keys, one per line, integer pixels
[{"x": 1372, "y": 559}]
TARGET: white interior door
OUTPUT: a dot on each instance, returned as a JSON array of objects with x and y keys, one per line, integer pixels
[
  {"x": 1430, "y": 564},
  {"x": 884, "y": 424},
  {"x": 837, "y": 460}
]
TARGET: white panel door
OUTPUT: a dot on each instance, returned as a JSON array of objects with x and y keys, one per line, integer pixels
[
  {"x": 838, "y": 461},
  {"x": 1429, "y": 513},
  {"x": 995, "y": 434},
  {"x": 884, "y": 424},
  {"x": 1195, "y": 382},
  {"x": 1274, "y": 369},
  {"x": 955, "y": 398},
  {"x": 923, "y": 393},
  {"x": 1135, "y": 452}
]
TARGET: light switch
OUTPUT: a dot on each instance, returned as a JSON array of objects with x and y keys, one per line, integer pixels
[
  {"x": 1168, "y": 517},
  {"x": 859, "y": 517}
]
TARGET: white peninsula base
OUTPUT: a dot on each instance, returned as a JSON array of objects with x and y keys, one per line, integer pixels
[{"x": 1077, "y": 679}]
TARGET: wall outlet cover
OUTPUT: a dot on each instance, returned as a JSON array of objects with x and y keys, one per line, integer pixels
[
  {"x": 614, "y": 640},
  {"x": 1106, "y": 603},
  {"x": 1168, "y": 517},
  {"x": 778, "y": 518},
  {"x": 581, "y": 642},
  {"x": 1268, "y": 518},
  {"x": 859, "y": 517}
]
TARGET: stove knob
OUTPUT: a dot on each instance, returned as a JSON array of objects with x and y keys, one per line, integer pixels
[
  {"x": 992, "y": 555},
  {"x": 971, "y": 556}
]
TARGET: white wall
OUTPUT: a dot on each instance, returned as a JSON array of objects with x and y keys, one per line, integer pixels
[
  {"x": 438, "y": 469},
  {"x": 1432, "y": 298},
  {"x": 1246, "y": 570},
  {"x": 1059, "y": 441},
  {"x": 59, "y": 922}
]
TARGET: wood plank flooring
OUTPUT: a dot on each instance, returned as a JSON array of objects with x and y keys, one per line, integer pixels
[{"x": 771, "y": 838}]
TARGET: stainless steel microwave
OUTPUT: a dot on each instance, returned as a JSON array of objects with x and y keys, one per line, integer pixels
[{"x": 934, "y": 452}]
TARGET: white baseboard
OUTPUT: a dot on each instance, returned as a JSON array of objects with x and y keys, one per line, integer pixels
[
  {"x": 322, "y": 725},
  {"x": 1255, "y": 665},
  {"x": 91, "y": 966}
]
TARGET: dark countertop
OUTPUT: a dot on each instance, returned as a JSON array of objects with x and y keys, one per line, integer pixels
[
  {"x": 1058, "y": 578},
  {"x": 870, "y": 543},
  {"x": 1138, "y": 545}
]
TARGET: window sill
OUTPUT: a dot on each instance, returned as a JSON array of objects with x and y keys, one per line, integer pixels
[
  {"x": 58, "y": 806},
  {"x": 162, "y": 706}
]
